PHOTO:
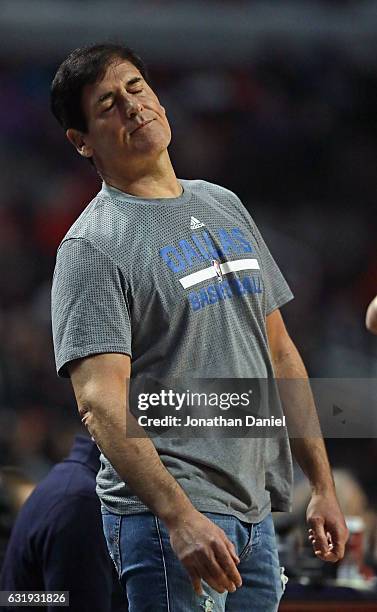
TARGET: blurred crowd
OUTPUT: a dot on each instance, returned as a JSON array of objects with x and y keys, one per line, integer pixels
[{"x": 293, "y": 132}]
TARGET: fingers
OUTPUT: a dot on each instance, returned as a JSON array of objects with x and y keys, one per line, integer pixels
[
  {"x": 335, "y": 540},
  {"x": 231, "y": 548},
  {"x": 227, "y": 562},
  {"x": 220, "y": 568},
  {"x": 338, "y": 550},
  {"x": 207, "y": 554},
  {"x": 217, "y": 567},
  {"x": 326, "y": 552},
  {"x": 329, "y": 557},
  {"x": 339, "y": 540},
  {"x": 213, "y": 574},
  {"x": 196, "y": 580},
  {"x": 318, "y": 536}
]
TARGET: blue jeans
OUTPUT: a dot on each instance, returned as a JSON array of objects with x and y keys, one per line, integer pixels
[{"x": 155, "y": 580}]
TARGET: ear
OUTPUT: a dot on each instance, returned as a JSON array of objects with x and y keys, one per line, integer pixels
[{"x": 78, "y": 140}]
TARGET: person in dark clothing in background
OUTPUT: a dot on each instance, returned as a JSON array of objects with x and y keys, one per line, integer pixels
[
  {"x": 15, "y": 488},
  {"x": 57, "y": 542}
]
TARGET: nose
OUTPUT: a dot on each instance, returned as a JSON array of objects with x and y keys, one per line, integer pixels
[{"x": 132, "y": 106}]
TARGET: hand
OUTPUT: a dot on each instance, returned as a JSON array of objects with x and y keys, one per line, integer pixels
[
  {"x": 205, "y": 552},
  {"x": 328, "y": 531}
]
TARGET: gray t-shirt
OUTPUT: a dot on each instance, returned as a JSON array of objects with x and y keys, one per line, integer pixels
[{"x": 182, "y": 285}]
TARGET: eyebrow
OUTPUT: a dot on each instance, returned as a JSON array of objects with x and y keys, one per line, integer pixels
[{"x": 110, "y": 94}]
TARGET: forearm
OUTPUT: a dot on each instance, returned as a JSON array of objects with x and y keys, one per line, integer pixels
[
  {"x": 297, "y": 399},
  {"x": 135, "y": 459}
]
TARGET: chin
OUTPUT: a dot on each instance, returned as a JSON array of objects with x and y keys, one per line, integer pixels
[{"x": 152, "y": 147}]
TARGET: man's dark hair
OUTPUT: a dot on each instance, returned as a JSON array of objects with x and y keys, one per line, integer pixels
[{"x": 84, "y": 66}]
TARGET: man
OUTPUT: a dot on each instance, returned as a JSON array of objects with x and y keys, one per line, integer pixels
[
  {"x": 371, "y": 316},
  {"x": 187, "y": 521},
  {"x": 57, "y": 541}
]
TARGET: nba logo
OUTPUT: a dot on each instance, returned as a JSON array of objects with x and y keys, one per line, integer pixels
[{"x": 217, "y": 267}]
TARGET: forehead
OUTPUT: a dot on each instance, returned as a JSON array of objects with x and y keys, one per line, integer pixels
[{"x": 117, "y": 70}]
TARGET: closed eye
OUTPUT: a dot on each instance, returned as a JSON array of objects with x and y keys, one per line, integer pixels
[{"x": 108, "y": 108}]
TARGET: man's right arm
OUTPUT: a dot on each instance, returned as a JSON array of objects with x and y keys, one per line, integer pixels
[{"x": 100, "y": 385}]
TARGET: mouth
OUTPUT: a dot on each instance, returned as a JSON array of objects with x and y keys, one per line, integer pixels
[{"x": 141, "y": 125}]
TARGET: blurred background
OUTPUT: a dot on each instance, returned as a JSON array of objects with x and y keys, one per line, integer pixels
[{"x": 274, "y": 100}]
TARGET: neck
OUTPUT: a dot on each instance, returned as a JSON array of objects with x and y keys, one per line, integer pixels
[{"x": 156, "y": 181}]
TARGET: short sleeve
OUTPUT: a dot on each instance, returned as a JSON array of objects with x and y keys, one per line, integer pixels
[
  {"x": 277, "y": 289},
  {"x": 90, "y": 311}
]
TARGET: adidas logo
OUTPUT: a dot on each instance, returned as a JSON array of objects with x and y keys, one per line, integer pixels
[{"x": 195, "y": 223}]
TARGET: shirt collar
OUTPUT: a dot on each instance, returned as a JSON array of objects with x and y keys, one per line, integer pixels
[{"x": 85, "y": 450}]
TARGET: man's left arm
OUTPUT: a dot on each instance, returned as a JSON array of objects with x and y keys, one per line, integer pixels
[{"x": 327, "y": 528}]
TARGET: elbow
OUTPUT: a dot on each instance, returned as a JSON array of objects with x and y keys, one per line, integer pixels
[
  {"x": 85, "y": 413},
  {"x": 100, "y": 407},
  {"x": 282, "y": 350},
  {"x": 88, "y": 405}
]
